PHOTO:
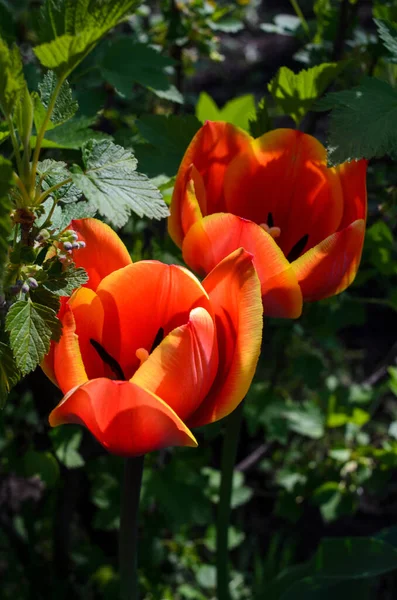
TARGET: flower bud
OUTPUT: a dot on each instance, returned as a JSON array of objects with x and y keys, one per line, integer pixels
[
  {"x": 32, "y": 283},
  {"x": 25, "y": 288},
  {"x": 76, "y": 246},
  {"x": 67, "y": 246},
  {"x": 82, "y": 244}
]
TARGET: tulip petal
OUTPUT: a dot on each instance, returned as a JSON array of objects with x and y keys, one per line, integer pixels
[
  {"x": 182, "y": 368},
  {"x": 126, "y": 419},
  {"x": 104, "y": 251},
  {"x": 47, "y": 364},
  {"x": 283, "y": 176},
  {"x": 353, "y": 179},
  {"x": 139, "y": 300},
  {"x": 89, "y": 317},
  {"x": 234, "y": 289},
  {"x": 210, "y": 151},
  {"x": 68, "y": 363},
  {"x": 331, "y": 266},
  {"x": 216, "y": 236}
]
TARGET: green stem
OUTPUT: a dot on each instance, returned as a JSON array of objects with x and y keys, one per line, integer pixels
[
  {"x": 52, "y": 189},
  {"x": 301, "y": 16},
  {"x": 43, "y": 129},
  {"x": 15, "y": 146},
  {"x": 128, "y": 537},
  {"x": 229, "y": 451},
  {"x": 22, "y": 189}
]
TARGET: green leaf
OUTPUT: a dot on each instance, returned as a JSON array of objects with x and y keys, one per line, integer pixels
[
  {"x": 388, "y": 34},
  {"x": 73, "y": 28},
  {"x": 312, "y": 589},
  {"x": 24, "y": 111},
  {"x": 66, "y": 281},
  {"x": 373, "y": 102},
  {"x": 295, "y": 94},
  {"x": 31, "y": 327},
  {"x": 79, "y": 210},
  {"x": 111, "y": 183},
  {"x": 5, "y": 210},
  {"x": 125, "y": 62},
  {"x": 4, "y": 131},
  {"x": 42, "y": 464},
  {"x": 169, "y": 138},
  {"x": 52, "y": 173},
  {"x": 9, "y": 373},
  {"x": 71, "y": 135},
  {"x": 307, "y": 420},
  {"x": 66, "y": 442},
  {"x": 260, "y": 123},
  {"x": 12, "y": 80},
  {"x": 237, "y": 111},
  {"x": 65, "y": 107}
]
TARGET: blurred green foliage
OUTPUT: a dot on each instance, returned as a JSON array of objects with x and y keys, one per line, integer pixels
[{"x": 318, "y": 455}]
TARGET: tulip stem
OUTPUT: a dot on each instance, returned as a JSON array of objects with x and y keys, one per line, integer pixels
[
  {"x": 128, "y": 539},
  {"x": 229, "y": 452}
]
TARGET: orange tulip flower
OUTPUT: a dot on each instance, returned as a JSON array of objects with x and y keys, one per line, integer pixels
[
  {"x": 274, "y": 196},
  {"x": 148, "y": 351}
]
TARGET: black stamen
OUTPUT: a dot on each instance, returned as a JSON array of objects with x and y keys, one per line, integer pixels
[
  {"x": 297, "y": 250},
  {"x": 270, "y": 221},
  {"x": 108, "y": 360},
  {"x": 158, "y": 339}
]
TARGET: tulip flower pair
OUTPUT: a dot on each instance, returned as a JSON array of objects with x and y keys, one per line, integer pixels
[
  {"x": 147, "y": 351},
  {"x": 274, "y": 196}
]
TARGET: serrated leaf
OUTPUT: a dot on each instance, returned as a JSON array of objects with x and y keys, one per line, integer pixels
[
  {"x": 388, "y": 34},
  {"x": 126, "y": 62},
  {"x": 296, "y": 93},
  {"x": 4, "y": 131},
  {"x": 65, "y": 282},
  {"x": 236, "y": 111},
  {"x": 260, "y": 123},
  {"x": 373, "y": 102},
  {"x": 5, "y": 211},
  {"x": 75, "y": 28},
  {"x": 110, "y": 182},
  {"x": 31, "y": 327},
  {"x": 12, "y": 80},
  {"x": 65, "y": 107},
  {"x": 52, "y": 173},
  {"x": 42, "y": 296},
  {"x": 169, "y": 138},
  {"x": 9, "y": 373},
  {"x": 71, "y": 135}
]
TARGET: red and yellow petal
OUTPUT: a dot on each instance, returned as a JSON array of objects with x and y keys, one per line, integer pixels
[
  {"x": 234, "y": 290},
  {"x": 89, "y": 317},
  {"x": 284, "y": 173},
  {"x": 353, "y": 176},
  {"x": 216, "y": 236},
  {"x": 182, "y": 368},
  {"x": 139, "y": 300},
  {"x": 331, "y": 266},
  {"x": 210, "y": 151},
  {"x": 68, "y": 363},
  {"x": 126, "y": 419},
  {"x": 104, "y": 251}
]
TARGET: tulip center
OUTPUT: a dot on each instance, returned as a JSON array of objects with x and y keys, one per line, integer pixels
[
  {"x": 109, "y": 360},
  {"x": 142, "y": 355},
  {"x": 270, "y": 228}
]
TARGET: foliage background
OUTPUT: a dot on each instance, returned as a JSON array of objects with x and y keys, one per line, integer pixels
[{"x": 318, "y": 452}]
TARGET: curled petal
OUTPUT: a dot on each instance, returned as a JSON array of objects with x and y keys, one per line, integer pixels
[
  {"x": 68, "y": 363},
  {"x": 353, "y": 179},
  {"x": 126, "y": 419},
  {"x": 47, "y": 364},
  {"x": 182, "y": 368},
  {"x": 234, "y": 289},
  {"x": 210, "y": 151},
  {"x": 216, "y": 236},
  {"x": 331, "y": 266},
  {"x": 104, "y": 251},
  {"x": 283, "y": 177}
]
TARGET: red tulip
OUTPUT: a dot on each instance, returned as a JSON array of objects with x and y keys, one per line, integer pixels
[
  {"x": 148, "y": 351},
  {"x": 274, "y": 196}
]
